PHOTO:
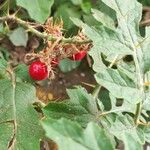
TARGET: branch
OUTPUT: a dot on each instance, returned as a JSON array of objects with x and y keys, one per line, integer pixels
[
  {"x": 50, "y": 37},
  {"x": 40, "y": 34}
]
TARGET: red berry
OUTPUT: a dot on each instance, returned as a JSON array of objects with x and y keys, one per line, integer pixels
[
  {"x": 79, "y": 56},
  {"x": 38, "y": 70},
  {"x": 54, "y": 62}
]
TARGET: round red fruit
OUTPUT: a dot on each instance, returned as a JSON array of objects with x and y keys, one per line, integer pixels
[
  {"x": 38, "y": 70},
  {"x": 78, "y": 56}
]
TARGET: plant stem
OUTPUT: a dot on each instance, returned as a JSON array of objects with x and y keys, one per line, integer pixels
[
  {"x": 96, "y": 91},
  {"x": 9, "y": 70},
  {"x": 40, "y": 34},
  {"x": 137, "y": 113},
  {"x": 144, "y": 124},
  {"x": 138, "y": 60}
]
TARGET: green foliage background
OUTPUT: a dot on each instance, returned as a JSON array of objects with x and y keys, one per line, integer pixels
[{"x": 119, "y": 107}]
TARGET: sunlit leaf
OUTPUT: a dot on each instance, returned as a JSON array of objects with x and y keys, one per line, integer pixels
[{"x": 119, "y": 84}]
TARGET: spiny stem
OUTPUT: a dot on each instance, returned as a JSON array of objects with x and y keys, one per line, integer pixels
[{"x": 40, "y": 34}]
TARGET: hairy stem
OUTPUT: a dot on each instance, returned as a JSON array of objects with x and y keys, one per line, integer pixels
[{"x": 40, "y": 34}]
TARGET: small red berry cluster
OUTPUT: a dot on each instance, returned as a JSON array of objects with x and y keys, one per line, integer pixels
[
  {"x": 39, "y": 71},
  {"x": 47, "y": 59}
]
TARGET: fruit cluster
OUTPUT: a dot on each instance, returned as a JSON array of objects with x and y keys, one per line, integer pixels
[{"x": 44, "y": 62}]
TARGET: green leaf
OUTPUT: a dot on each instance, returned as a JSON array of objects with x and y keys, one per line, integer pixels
[
  {"x": 19, "y": 37},
  {"x": 146, "y": 46},
  {"x": 4, "y": 53},
  {"x": 98, "y": 62},
  {"x": 70, "y": 136},
  {"x": 128, "y": 68},
  {"x": 113, "y": 105},
  {"x": 4, "y": 7},
  {"x": 145, "y": 2},
  {"x": 3, "y": 67},
  {"x": 120, "y": 41},
  {"x": 67, "y": 65},
  {"x": 127, "y": 138},
  {"x": 76, "y": 2},
  {"x": 107, "y": 41},
  {"x": 5, "y": 136},
  {"x": 123, "y": 128},
  {"x": 146, "y": 103},
  {"x": 126, "y": 131},
  {"x": 119, "y": 84},
  {"x": 65, "y": 11},
  {"x": 128, "y": 15},
  {"x": 68, "y": 110},
  {"x": 106, "y": 20},
  {"x": 39, "y": 10},
  {"x": 2, "y": 30},
  {"x": 90, "y": 20},
  {"x": 125, "y": 106},
  {"x": 81, "y": 97},
  {"x": 106, "y": 10},
  {"x": 86, "y": 7},
  {"x": 104, "y": 98},
  {"x": 110, "y": 38},
  {"x": 3, "y": 64},
  {"x": 147, "y": 133},
  {"x": 80, "y": 108},
  {"x": 19, "y": 121},
  {"x": 22, "y": 73},
  {"x": 125, "y": 124}
]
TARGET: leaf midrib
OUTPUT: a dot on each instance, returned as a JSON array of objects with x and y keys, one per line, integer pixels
[
  {"x": 14, "y": 115},
  {"x": 139, "y": 71}
]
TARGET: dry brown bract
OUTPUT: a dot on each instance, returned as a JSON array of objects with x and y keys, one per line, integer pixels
[{"x": 57, "y": 50}]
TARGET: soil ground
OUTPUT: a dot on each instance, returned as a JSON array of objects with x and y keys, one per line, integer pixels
[{"x": 56, "y": 89}]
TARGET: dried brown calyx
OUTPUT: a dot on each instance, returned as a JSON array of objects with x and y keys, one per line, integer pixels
[{"x": 58, "y": 49}]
